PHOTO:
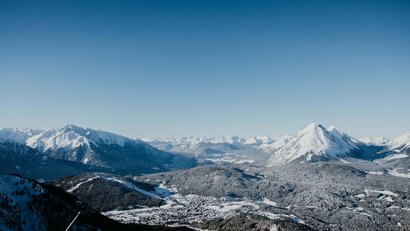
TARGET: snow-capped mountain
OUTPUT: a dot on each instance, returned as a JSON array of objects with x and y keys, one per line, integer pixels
[
  {"x": 80, "y": 144},
  {"x": 22, "y": 159},
  {"x": 378, "y": 141},
  {"x": 97, "y": 148},
  {"x": 312, "y": 143},
  {"x": 397, "y": 159},
  {"x": 18, "y": 135},
  {"x": 401, "y": 144},
  {"x": 208, "y": 145},
  {"x": 222, "y": 149},
  {"x": 275, "y": 145},
  {"x": 71, "y": 137},
  {"x": 258, "y": 140}
]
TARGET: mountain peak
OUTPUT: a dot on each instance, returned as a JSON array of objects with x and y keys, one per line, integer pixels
[
  {"x": 402, "y": 142},
  {"x": 333, "y": 128},
  {"x": 314, "y": 141},
  {"x": 312, "y": 127},
  {"x": 74, "y": 128}
]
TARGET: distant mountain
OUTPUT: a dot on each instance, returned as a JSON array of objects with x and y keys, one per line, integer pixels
[
  {"x": 209, "y": 145},
  {"x": 97, "y": 148},
  {"x": 28, "y": 205},
  {"x": 378, "y": 141},
  {"x": 313, "y": 143},
  {"x": 397, "y": 159},
  {"x": 401, "y": 144},
  {"x": 258, "y": 140},
  {"x": 17, "y": 135},
  {"x": 19, "y": 158},
  {"x": 222, "y": 149},
  {"x": 271, "y": 147}
]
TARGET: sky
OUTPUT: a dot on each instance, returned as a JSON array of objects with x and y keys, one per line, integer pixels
[{"x": 206, "y": 68}]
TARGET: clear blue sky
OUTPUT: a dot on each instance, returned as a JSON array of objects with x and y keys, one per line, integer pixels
[{"x": 206, "y": 68}]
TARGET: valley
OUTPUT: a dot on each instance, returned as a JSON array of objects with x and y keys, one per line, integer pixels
[{"x": 318, "y": 179}]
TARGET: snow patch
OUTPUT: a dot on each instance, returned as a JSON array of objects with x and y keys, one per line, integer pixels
[
  {"x": 385, "y": 192},
  {"x": 266, "y": 201},
  {"x": 398, "y": 172},
  {"x": 75, "y": 187},
  {"x": 396, "y": 156}
]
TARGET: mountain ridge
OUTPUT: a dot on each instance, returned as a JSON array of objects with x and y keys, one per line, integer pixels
[{"x": 97, "y": 148}]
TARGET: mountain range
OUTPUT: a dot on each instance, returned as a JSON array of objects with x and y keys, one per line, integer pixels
[
  {"x": 311, "y": 144},
  {"x": 319, "y": 178},
  {"x": 122, "y": 154},
  {"x": 88, "y": 147}
]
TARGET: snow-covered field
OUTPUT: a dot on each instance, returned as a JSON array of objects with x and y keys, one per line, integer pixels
[
  {"x": 190, "y": 209},
  {"x": 400, "y": 173}
]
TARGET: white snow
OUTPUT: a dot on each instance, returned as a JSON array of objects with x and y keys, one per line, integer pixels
[
  {"x": 230, "y": 159},
  {"x": 274, "y": 146},
  {"x": 361, "y": 195},
  {"x": 375, "y": 172},
  {"x": 273, "y": 228},
  {"x": 132, "y": 186},
  {"x": 378, "y": 141},
  {"x": 399, "y": 173},
  {"x": 72, "y": 189},
  {"x": 258, "y": 140},
  {"x": 267, "y": 202},
  {"x": 400, "y": 143},
  {"x": 18, "y": 135},
  {"x": 8, "y": 186},
  {"x": 344, "y": 161},
  {"x": 192, "y": 145},
  {"x": 313, "y": 140},
  {"x": 274, "y": 216},
  {"x": 359, "y": 210},
  {"x": 396, "y": 156},
  {"x": 70, "y": 137},
  {"x": 385, "y": 192},
  {"x": 386, "y": 198},
  {"x": 194, "y": 208}
]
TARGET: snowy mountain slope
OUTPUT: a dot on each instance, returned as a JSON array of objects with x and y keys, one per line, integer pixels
[
  {"x": 16, "y": 197},
  {"x": 223, "y": 149},
  {"x": 258, "y": 140},
  {"x": 343, "y": 136},
  {"x": 99, "y": 148},
  {"x": 313, "y": 143},
  {"x": 122, "y": 192},
  {"x": 19, "y": 158},
  {"x": 28, "y": 205},
  {"x": 209, "y": 145},
  {"x": 277, "y": 144},
  {"x": 401, "y": 144},
  {"x": 18, "y": 135},
  {"x": 214, "y": 148},
  {"x": 71, "y": 136},
  {"x": 378, "y": 141},
  {"x": 397, "y": 160}
]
